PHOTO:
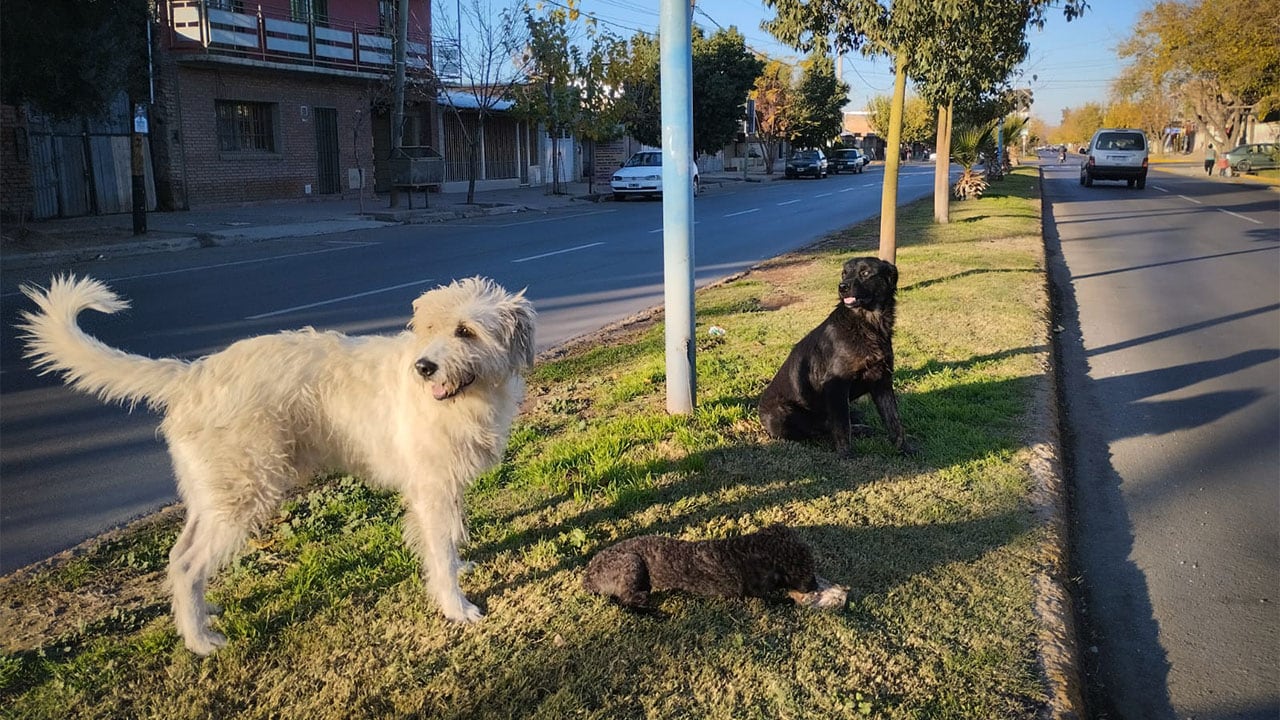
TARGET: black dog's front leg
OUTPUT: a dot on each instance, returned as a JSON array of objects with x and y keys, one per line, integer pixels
[
  {"x": 836, "y": 399},
  {"x": 886, "y": 401}
]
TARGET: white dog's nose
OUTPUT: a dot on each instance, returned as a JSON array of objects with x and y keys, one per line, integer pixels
[{"x": 425, "y": 367}]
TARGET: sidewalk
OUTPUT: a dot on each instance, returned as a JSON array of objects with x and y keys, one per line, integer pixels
[
  {"x": 51, "y": 241},
  {"x": 48, "y": 242},
  {"x": 1192, "y": 167}
]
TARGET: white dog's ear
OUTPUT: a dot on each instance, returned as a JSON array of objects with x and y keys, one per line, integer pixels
[{"x": 521, "y": 314}]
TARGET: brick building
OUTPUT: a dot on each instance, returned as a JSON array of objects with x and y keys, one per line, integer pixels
[{"x": 284, "y": 100}]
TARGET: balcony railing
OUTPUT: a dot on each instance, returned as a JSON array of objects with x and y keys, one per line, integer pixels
[{"x": 195, "y": 26}]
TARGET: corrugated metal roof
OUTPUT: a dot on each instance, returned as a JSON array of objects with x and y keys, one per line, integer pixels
[{"x": 464, "y": 100}]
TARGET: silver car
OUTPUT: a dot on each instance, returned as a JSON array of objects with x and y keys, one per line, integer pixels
[{"x": 1115, "y": 154}]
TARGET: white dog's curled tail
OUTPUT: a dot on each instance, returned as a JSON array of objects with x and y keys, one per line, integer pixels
[{"x": 55, "y": 343}]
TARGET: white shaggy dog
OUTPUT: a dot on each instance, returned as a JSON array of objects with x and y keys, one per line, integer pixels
[{"x": 423, "y": 413}]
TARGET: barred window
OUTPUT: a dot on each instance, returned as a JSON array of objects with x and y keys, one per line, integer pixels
[{"x": 246, "y": 126}]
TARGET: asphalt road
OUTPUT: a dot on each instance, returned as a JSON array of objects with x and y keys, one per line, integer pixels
[
  {"x": 1169, "y": 301},
  {"x": 73, "y": 468}
]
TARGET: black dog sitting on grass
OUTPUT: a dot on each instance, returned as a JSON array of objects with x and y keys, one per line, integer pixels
[
  {"x": 755, "y": 565},
  {"x": 847, "y": 356}
]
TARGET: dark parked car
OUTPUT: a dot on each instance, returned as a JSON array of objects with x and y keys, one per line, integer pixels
[
  {"x": 850, "y": 159},
  {"x": 1259, "y": 156},
  {"x": 807, "y": 162}
]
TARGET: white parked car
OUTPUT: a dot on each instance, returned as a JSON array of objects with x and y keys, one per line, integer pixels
[{"x": 641, "y": 175}]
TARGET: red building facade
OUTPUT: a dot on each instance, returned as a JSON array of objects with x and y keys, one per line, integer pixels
[{"x": 280, "y": 100}]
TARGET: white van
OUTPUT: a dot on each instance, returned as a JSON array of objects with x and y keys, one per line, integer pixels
[{"x": 1115, "y": 154}]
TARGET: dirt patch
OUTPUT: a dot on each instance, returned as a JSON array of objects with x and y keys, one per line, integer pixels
[{"x": 36, "y": 609}]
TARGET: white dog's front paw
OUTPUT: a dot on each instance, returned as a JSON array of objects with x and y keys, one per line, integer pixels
[
  {"x": 206, "y": 642},
  {"x": 461, "y": 610}
]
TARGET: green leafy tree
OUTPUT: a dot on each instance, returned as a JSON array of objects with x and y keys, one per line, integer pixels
[
  {"x": 724, "y": 71},
  {"x": 1079, "y": 124},
  {"x": 879, "y": 108},
  {"x": 904, "y": 30},
  {"x": 547, "y": 95},
  {"x": 73, "y": 57},
  {"x": 773, "y": 93},
  {"x": 917, "y": 117},
  {"x": 818, "y": 101},
  {"x": 569, "y": 87},
  {"x": 641, "y": 101},
  {"x": 1221, "y": 59},
  {"x": 964, "y": 67}
]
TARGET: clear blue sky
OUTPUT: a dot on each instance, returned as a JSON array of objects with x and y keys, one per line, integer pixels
[{"x": 1073, "y": 63}]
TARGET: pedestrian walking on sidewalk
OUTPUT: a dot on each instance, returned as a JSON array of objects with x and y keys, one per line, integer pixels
[
  {"x": 1224, "y": 167},
  {"x": 1210, "y": 157}
]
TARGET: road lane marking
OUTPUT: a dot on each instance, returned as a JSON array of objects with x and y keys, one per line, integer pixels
[
  {"x": 658, "y": 230},
  {"x": 789, "y": 202},
  {"x": 1184, "y": 197},
  {"x": 1242, "y": 217},
  {"x": 742, "y": 212},
  {"x": 1160, "y": 188},
  {"x": 871, "y": 185},
  {"x": 848, "y": 189},
  {"x": 824, "y": 195},
  {"x": 308, "y": 306},
  {"x": 558, "y": 252}
]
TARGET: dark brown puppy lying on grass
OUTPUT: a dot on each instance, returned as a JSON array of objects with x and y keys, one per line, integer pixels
[
  {"x": 847, "y": 356},
  {"x": 755, "y": 565}
]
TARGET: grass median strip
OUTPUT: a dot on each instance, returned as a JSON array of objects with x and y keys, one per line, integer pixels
[{"x": 327, "y": 616}]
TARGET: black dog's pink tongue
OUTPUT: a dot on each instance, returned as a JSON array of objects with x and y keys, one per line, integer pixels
[{"x": 850, "y": 300}]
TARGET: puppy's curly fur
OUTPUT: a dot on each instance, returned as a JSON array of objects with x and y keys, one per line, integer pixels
[{"x": 755, "y": 565}]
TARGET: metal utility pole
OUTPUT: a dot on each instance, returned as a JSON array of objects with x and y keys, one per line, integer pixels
[
  {"x": 397, "y": 88},
  {"x": 676, "y": 68},
  {"x": 138, "y": 168}
]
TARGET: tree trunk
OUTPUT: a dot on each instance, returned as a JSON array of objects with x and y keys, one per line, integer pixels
[
  {"x": 889, "y": 196},
  {"x": 555, "y": 162},
  {"x": 473, "y": 157},
  {"x": 942, "y": 168}
]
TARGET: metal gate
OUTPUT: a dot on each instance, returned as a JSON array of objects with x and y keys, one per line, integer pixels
[{"x": 328, "y": 162}]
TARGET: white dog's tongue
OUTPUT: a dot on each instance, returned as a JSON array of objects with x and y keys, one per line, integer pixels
[{"x": 438, "y": 391}]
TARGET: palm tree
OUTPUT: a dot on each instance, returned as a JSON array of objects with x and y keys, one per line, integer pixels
[
  {"x": 969, "y": 144},
  {"x": 1013, "y": 126}
]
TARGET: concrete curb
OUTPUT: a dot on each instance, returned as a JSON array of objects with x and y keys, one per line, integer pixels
[{"x": 1059, "y": 648}]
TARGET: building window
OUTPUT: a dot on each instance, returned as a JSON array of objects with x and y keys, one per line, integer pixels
[
  {"x": 316, "y": 11},
  {"x": 246, "y": 126},
  {"x": 387, "y": 15}
]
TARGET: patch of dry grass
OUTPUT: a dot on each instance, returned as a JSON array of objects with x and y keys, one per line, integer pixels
[{"x": 327, "y": 617}]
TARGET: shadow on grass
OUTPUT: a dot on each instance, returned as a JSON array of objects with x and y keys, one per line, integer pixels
[
  {"x": 967, "y": 273},
  {"x": 616, "y": 652},
  {"x": 955, "y": 425}
]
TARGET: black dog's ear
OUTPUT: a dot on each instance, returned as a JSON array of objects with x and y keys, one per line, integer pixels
[{"x": 893, "y": 273}]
